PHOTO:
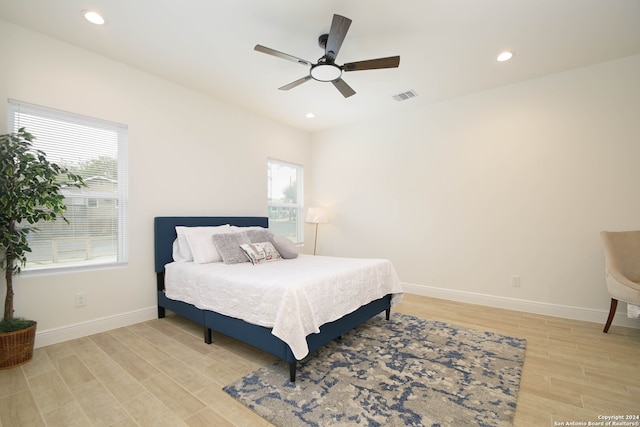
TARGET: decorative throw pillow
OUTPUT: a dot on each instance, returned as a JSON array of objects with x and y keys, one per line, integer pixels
[
  {"x": 285, "y": 247},
  {"x": 261, "y": 252},
  {"x": 228, "y": 245},
  {"x": 199, "y": 242}
]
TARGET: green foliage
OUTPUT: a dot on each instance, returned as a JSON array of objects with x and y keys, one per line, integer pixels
[
  {"x": 291, "y": 192},
  {"x": 102, "y": 166},
  {"x": 15, "y": 324},
  {"x": 29, "y": 192}
]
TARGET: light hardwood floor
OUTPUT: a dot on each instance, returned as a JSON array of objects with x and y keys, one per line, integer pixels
[{"x": 160, "y": 373}]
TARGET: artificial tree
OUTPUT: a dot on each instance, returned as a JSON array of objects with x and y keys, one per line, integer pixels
[{"x": 30, "y": 192}]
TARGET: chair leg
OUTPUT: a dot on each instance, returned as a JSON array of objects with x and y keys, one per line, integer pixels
[{"x": 612, "y": 312}]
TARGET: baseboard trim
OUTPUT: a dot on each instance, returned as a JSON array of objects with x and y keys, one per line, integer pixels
[
  {"x": 79, "y": 330},
  {"x": 556, "y": 310}
]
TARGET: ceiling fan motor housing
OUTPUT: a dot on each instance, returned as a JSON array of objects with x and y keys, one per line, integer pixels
[
  {"x": 322, "y": 41},
  {"x": 325, "y": 70}
]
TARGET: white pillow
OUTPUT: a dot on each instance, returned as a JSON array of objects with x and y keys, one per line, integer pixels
[
  {"x": 237, "y": 228},
  {"x": 181, "y": 250},
  {"x": 178, "y": 256},
  {"x": 200, "y": 242}
]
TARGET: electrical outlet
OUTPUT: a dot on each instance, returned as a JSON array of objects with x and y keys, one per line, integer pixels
[
  {"x": 515, "y": 281},
  {"x": 81, "y": 299}
]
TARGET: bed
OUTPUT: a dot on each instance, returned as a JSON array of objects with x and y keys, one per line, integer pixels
[{"x": 272, "y": 331}]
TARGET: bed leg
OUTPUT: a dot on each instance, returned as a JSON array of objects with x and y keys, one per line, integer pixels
[
  {"x": 207, "y": 335},
  {"x": 292, "y": 372},
  {"x": 161, "y": 312},
  {"x": 387, "y": 313}
]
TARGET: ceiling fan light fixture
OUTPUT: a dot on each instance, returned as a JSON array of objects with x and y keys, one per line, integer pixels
[
  {"x": 325, "y": 72},
  {"x": 93, "y": 17}
]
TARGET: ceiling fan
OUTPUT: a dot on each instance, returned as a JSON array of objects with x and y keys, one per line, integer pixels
[{"x": 326, "y": 70}]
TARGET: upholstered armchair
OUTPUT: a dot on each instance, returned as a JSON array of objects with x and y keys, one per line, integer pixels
[{"x": 622, "y": 263}]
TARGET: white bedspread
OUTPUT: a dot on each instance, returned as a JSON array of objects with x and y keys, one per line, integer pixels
[{"x": 294, "y": 296}]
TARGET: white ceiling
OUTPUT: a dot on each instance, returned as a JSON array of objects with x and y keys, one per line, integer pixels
[{"x": 447, "y": 47}]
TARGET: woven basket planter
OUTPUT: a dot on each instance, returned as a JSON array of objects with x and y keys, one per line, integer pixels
[{"x": 16, "y": 348}]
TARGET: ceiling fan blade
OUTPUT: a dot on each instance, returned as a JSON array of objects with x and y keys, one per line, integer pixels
[
  {"x": 343, "y": 87},
  {"x": 337, "y": 33},
  {"x": 372, "y": 64},
  {"x": 282, "y": 55},
  {"x": 296, "y": 83}
]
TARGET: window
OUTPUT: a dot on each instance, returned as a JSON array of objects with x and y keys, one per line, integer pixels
[
  {"x": 285, "y": 199},
  {"x": 96, "y": 150}
]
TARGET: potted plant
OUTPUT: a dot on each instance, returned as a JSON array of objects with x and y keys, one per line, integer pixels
[{"x": 29, "y": 193}]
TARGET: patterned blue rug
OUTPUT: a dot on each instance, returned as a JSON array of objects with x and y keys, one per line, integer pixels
[{"x": 403, "y": 372}]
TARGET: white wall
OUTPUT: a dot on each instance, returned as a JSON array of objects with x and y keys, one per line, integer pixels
[
  {"x": 459, "y": 195},
  {"x": 189, "y": 154},
  {"x": 520, "y": 180}
]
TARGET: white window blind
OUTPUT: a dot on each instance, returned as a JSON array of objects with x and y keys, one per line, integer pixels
[
  {"x": 286, "y": 199},
  {"x": 96, "y": 150}
]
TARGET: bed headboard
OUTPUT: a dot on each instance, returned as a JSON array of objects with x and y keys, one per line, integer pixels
[{"x": 164, "y": 231}]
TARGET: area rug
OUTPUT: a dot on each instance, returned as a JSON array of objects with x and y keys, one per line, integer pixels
[{"x": 403, "y": 372}]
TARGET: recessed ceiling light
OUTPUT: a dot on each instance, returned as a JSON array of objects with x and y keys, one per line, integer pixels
[
  {"x": 93, "y": 17},
  {"x": 504, "y": 56},
  {"x": 310, "y": 115}
]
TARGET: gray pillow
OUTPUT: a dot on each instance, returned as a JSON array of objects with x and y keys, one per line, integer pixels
[
  {"x": 257, "y": 235},
  {"x": 285, "y": 247},
  {"x": 228, "y": 245}
]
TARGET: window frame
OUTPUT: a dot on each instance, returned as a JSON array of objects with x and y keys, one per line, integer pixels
[
  {"x": 299, "y": 204},
  {"x": 119, "y": 197}
]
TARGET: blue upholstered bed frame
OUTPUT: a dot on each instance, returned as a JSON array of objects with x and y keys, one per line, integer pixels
[{"x": 256, "y": 336}]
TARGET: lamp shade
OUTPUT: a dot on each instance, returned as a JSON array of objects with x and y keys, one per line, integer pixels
[{"x": 317, "y": 216}]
